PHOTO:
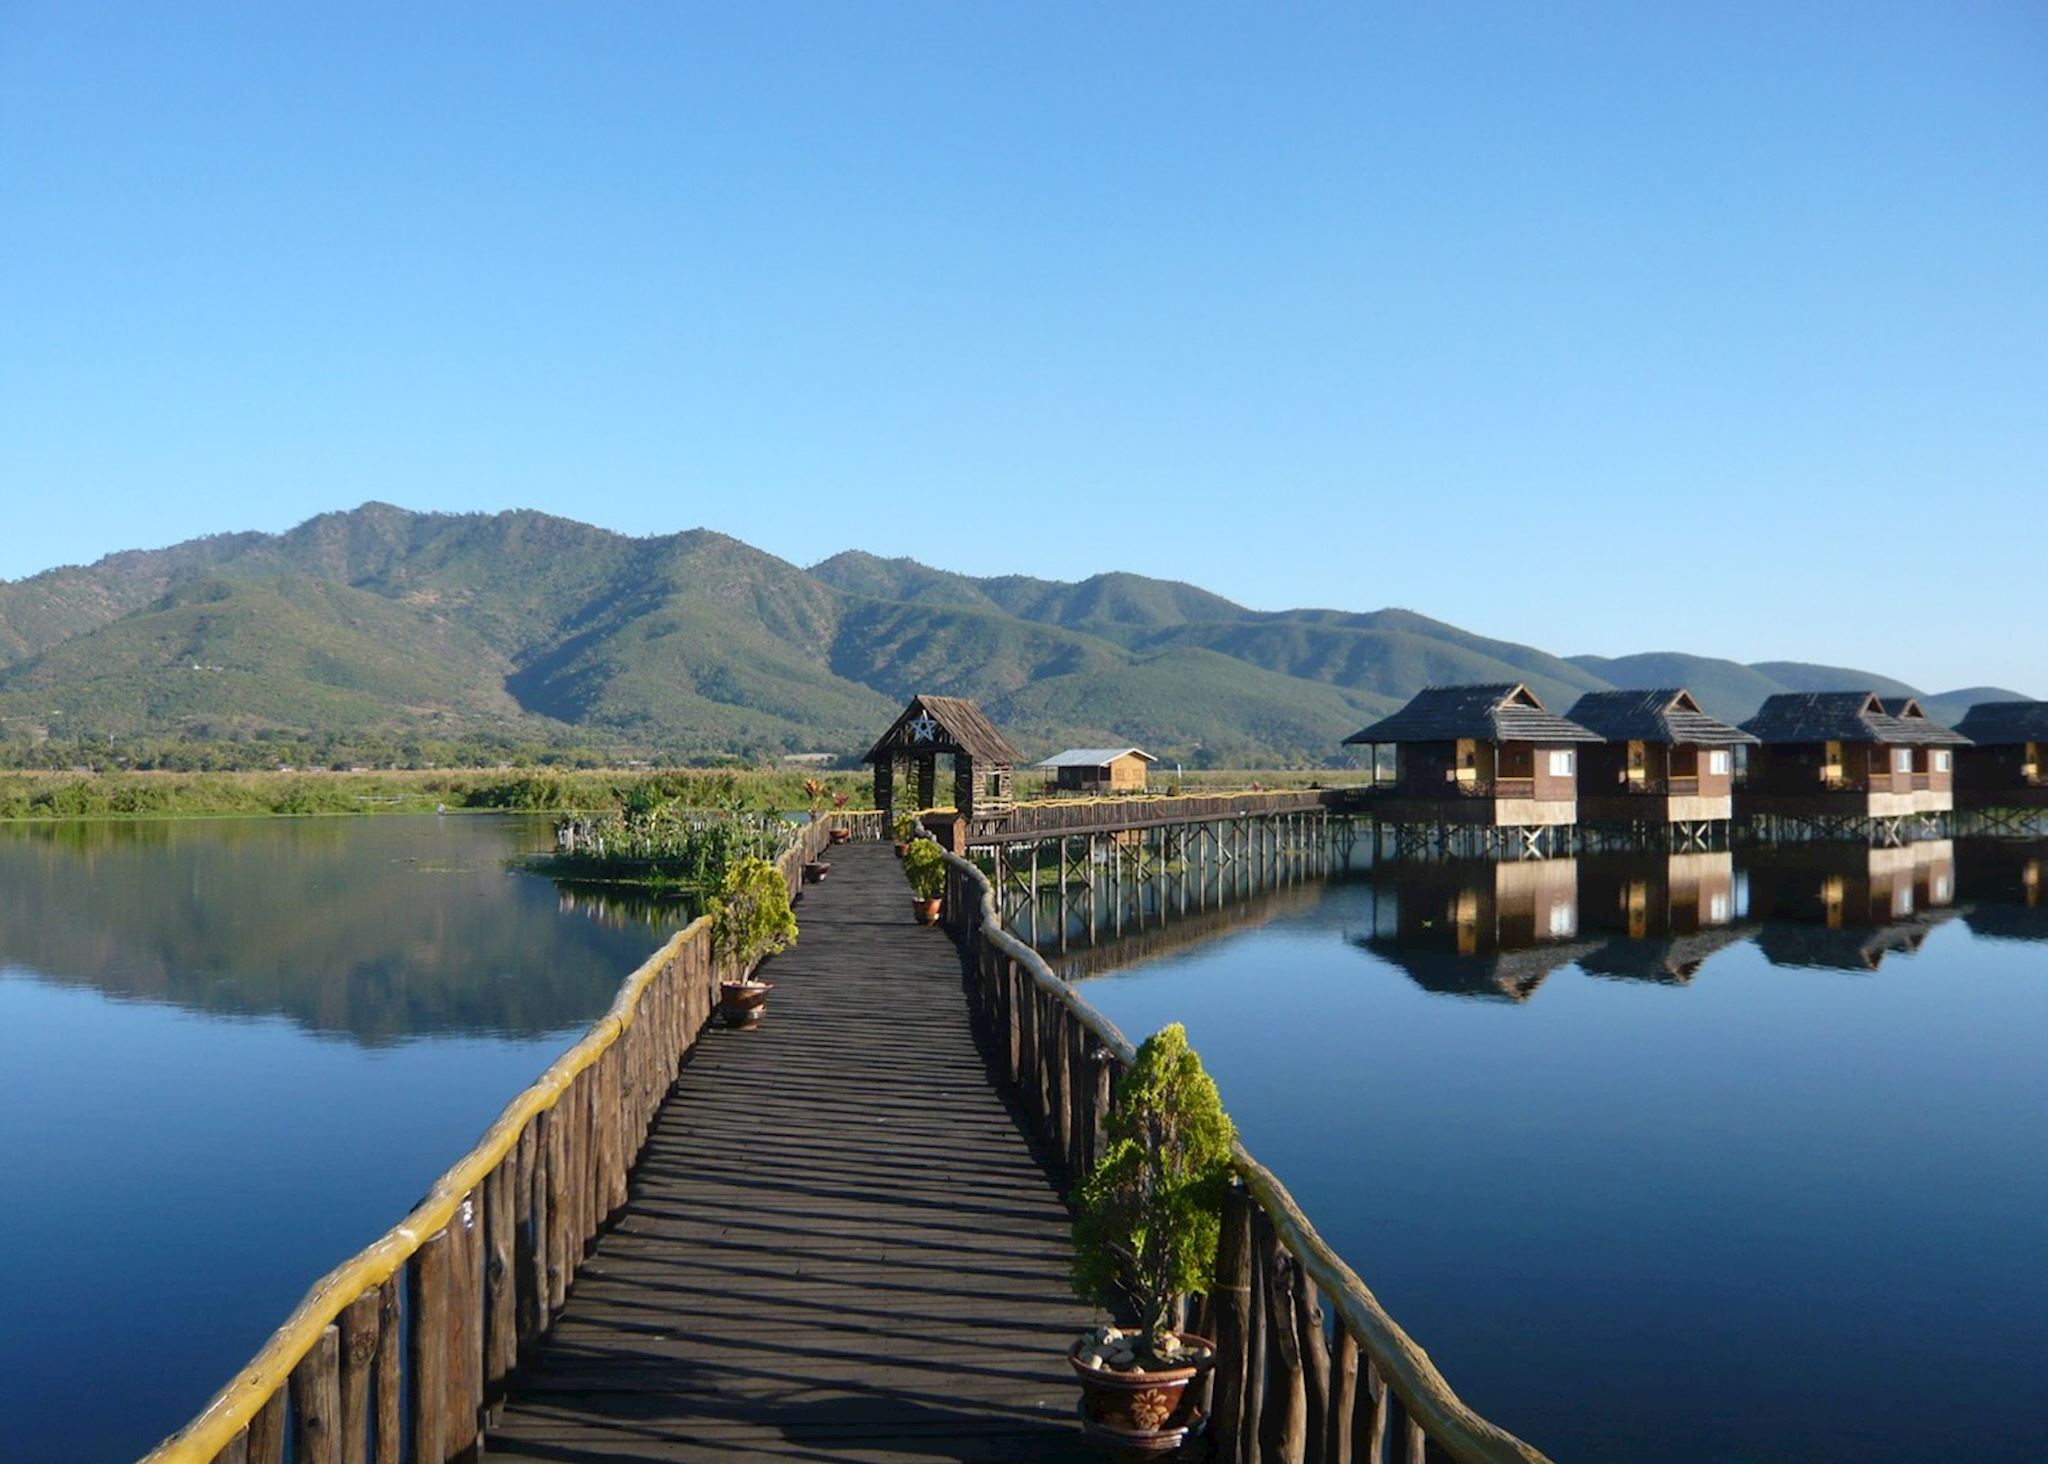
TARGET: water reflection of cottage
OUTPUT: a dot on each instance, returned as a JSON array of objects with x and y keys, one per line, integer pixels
[
  {"x": 2005, "y": 883},
  {"x": 1487, "y": 930},
  {"x": 1847, "y": 908},
  {"x": 1665, "y": 913}
]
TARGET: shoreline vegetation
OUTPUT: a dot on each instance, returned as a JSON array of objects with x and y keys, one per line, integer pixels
[{"x": 27, "y": 796}]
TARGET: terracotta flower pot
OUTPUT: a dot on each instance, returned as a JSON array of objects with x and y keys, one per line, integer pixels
[
  {"x": 815, "y": 870},
  {"x": 927, "y": 910},
  {"x": 740, "y": 1003},
  {"x": 839, "y": 836},
  {"x": 901, "y": 850},
  {"x": 1134, "y": 1410}
]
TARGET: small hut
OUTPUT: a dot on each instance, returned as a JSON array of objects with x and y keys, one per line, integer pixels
[
  {"x": 1099, "y": 769},
  {"x": 1829, "y": 757},
  {"x": 1490, "y": 756},
  {"x": 2006, "y": 765},
  {"x": 1664, "y": 763},
  {"x": 932, "y": 727}
]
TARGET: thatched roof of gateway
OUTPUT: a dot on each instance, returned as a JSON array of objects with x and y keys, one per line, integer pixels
[
  {"x": 2005, "y": 724},
  {"x": 1667, "y": 715},
  {"x": 1503, "y": 711},
  {"x": 1847, "y": 716},
  {"x": 956, "y": 725}
]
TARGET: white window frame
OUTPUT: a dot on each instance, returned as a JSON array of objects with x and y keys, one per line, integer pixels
[
  {"x": 1941, "y": 763},
  {"x": 1902, "y": 759},
  {"x": 1557, "y": 755},
  {"x": 1717, "y": 762}
]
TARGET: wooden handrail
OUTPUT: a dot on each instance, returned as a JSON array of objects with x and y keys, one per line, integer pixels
[
  {"x": 614, "y": 1093},
  {"x": 1401, "y": 1394}
]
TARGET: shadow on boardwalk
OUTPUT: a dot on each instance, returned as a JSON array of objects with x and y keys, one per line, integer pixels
[{"x": 838, "y": 1244}]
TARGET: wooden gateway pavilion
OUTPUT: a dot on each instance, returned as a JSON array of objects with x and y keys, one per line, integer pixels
[
  {"x": 1666, "y": 770},
  {"x": 1477, "y": 770},
  {"x": 932, "y": 727},
  {"x": 1839, "y": 764},
  {"x": 2002, "y": 778}
]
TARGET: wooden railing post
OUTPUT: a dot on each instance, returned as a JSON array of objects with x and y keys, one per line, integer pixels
[
  {"x": 316, "y": 1402},
  {"x": 427, "y": 1377},
  {"x": 1283, "y": 1432},
  {"x": 359, "y": 1328},
  {"x": 1228, "y": 1304}
]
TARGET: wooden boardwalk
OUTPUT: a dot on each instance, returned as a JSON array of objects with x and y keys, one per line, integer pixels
[{"x": 838, "y": 1244}]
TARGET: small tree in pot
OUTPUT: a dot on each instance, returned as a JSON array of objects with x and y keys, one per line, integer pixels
[
  {"x": 1146, "y": 1226},
  {"x": 905, "y": 829},
  {"x": 925, "y": 865},
  {"x": 750, "y": 920}
]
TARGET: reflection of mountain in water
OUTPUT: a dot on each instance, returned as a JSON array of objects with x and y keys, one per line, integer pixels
[
  {"x": 1478, "y": 929},
  {"x": 2005, "y": 882},
  {"x": 375, "y": 928},
  {"x": 1846, "y": 907}
]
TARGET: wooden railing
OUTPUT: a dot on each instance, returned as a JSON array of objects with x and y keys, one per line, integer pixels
[
  {"x": 400, "y": 1351},
  {"x": 1310, "y": 1369}
]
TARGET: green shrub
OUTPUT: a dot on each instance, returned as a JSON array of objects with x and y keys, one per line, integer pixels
[
  {"x": 750, "y": 916},
  {"x": 925, "y": 864},
  {"x": 1147, "y": 1219}
]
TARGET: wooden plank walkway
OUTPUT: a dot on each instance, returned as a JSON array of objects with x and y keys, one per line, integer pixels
[{"x": 838, "y": 1244}]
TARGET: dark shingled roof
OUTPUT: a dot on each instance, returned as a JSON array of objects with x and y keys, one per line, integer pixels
[
  {"x": 2005, "y": 724},
  {"x": 1846, "y": 716},
  {"x": 1499, "y": 712},
  {"x": 961, "y": 725},
  {"x": 1668, "y": 715}
]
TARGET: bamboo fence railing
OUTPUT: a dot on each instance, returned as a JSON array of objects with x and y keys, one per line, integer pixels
[{"x": 401, "y": 1350}]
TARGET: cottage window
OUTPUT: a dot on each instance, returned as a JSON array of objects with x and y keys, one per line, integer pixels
[
  {"x": 1717, "y": 909},
  {"x": 1563, "y": 919},
  {"x": 1902, "y": 760},
  {"x": 1717, "y": 763},
  {"x": 1941, "y": 762},
  {"x": 1560, "y": 764}
]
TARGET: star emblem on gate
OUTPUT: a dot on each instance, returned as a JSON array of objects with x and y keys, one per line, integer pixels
[{"x": 925, "y": 728}]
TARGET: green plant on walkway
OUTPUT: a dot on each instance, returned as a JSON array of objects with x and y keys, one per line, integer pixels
[
  {"x": 1147, "y": 1219},
  {"x": 925, "y": 865},
  {"x": 750, "y": 916}
]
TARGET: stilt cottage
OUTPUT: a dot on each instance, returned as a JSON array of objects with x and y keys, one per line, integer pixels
[
  {"x": 2006, "y": 765},
  {"x": 1665, "y": 765},
  {"x": 1846, "y": 762},
  {"x": 1489, "y": 757}
]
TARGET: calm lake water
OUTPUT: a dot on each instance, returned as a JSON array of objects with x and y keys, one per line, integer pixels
[
  {"x": 1672, "y": 1159},
  {"x": 231, "y": 1054}
]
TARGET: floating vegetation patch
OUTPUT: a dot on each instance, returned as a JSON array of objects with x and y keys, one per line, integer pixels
[{"x": 660, "y": 847}]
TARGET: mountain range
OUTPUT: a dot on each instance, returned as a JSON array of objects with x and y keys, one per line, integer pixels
[{"x": 384, "y": 621}]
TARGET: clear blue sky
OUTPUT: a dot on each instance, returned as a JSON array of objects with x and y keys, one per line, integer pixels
[{"x": 1605, "y": 328}]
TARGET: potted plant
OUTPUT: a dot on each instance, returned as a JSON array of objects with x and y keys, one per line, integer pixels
[
  {"x": 750, "y": 920},
  {"x": 839, "y": 832},
  {"x": 815, "y": 869},
  {"x": 904, "y": 828},
  {"x": 1146, "y": 1223},
  {"x": 925, "y": 865}
]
